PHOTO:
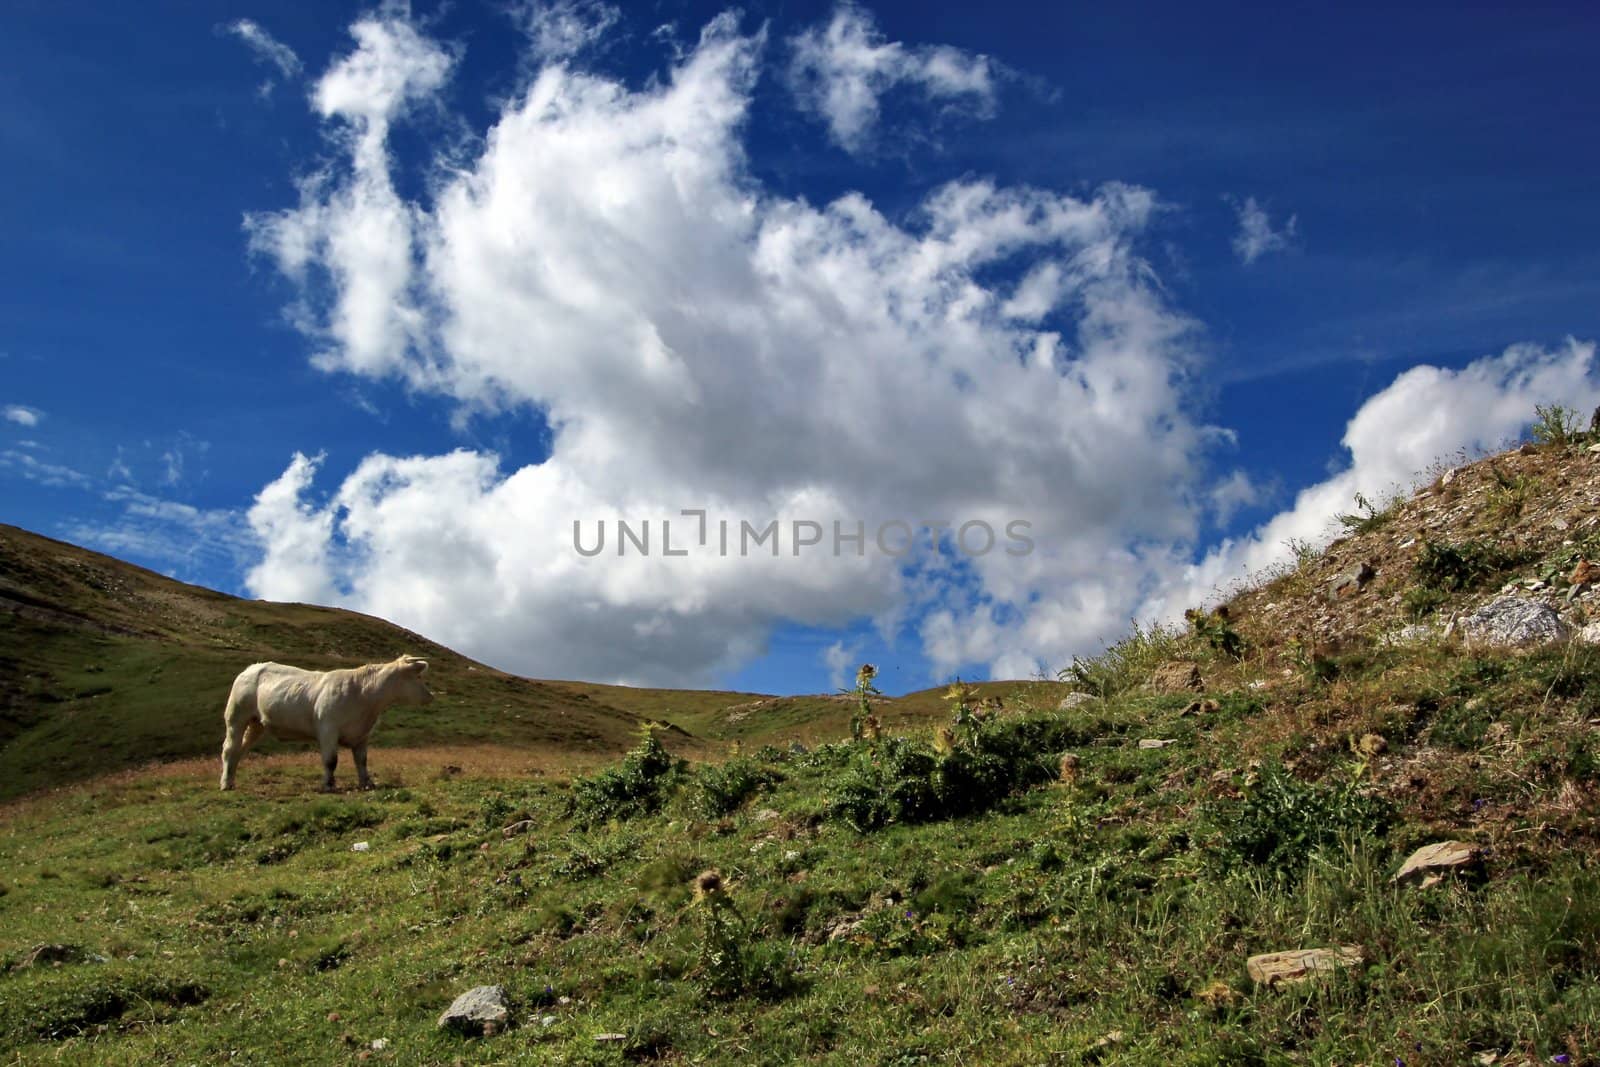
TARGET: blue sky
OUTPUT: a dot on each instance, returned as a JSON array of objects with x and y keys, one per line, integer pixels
[{"x": 1417, "y": 180}]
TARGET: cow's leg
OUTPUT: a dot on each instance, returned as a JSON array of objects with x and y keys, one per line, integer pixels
[
  {"x": 359, "y": 754},
  {"x": 236, "y": 739},
  {"x": 330, "y": 760}
]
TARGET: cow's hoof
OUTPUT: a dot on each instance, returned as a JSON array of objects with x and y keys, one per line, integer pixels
[{"x": 367, "y": 787}]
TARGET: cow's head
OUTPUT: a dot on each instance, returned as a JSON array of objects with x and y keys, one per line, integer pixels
[{"x": 406, "y": 681}]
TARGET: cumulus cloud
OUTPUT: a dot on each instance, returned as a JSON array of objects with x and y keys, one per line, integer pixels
[
  {"x": 267, "y": 50},
  {"x": 609, "y": 266},
  {"x": 696, "y": 341},
  {"x": 355, "y": 226},
  {"x": 1256, "y": 237},
  {"x": 841, "y": 71},
  {"x": 1426, "y": 415},
  {"x": 22, "y": 416}
]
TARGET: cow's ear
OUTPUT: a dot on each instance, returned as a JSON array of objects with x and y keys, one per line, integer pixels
[{"x": 418, "y": 665}]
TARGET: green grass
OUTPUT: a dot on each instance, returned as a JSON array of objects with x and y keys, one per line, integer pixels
[{"x": 243, "y": 925}]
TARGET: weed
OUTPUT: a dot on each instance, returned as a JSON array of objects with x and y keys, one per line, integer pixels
[
  {"x": 1281, "y": 821},
  {"x": 1369, "y": 516},
  {"x": 1215, "y": 629},
  {"x": 1554, "y": 425},
  {"x": 1460, "y": 566},
  {"x": 639, "y": 785},
  {"x": 1124, "y": 665},
  {"x": 720, "y": 790}
]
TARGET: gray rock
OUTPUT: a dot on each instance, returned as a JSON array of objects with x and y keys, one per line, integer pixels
[
  {"x": 479, "y": 1010},
  {"x": 1510, "y": 621},
  {"x": 1157, "y": 742},
  {"x": 1414, "y": 634},
  {"x": 1074, "y": 700},
  {"x": 1589, "y": 635},
  {"x": 1350, "y": 582}
]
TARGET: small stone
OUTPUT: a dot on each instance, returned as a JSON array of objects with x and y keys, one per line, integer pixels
[
  {"x": 1201, "y": 707},
  {"x": 766, "y": 815},
  {"x": 379, "y": 1044},
  {"x": 474, "y": 1011},
  {"x": 1177, "y": 677},
  {"x": 1287, "y": 968},
  {"x": 1074, "y": 700},
  {"x": 361, "y": 846},
  {"x": 1589, "y": 635},
  {"x": 547, "y": 1020},
  {"x": 521, "y": 826},
  {"x": 1450, "y": 475},
  {"x": 1157, "y": 742},
  {"x": 1426, "y": 861},
  {"x": 334, "y": 1016},
  {"x": 606, "y": 1039},
  {"x": 1350, "y": 582}
]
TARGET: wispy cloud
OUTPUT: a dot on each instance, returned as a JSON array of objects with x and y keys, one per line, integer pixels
[
  {"x": 1256, "y": 237},
  {"x": 210, "y": 543},
  {"x": 268, "y": 50},
  {"x": 21, "y": 415},
  {"x": 23, "y": 465},
  {"x": 841, "y": 71}
]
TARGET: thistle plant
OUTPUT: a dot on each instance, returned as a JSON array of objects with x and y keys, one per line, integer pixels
[{"x": 864, "y": 691}]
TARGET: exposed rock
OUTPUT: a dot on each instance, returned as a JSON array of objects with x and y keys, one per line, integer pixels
[
  {"x": 1425, "y": 863},
  {"x": 1510, "y": 621},
  {"x": 1287, "y": 968},
  {"x": 1074, "y": 700},
  {"x": 1589, "y": 635},
  {"x": 1179, "y": 676},
  {"x": 766, "y": 815},
  {"x": 609, "y": 1039},
  {"x": 521, "y": 826},
  {"x": 482, "y": 1010},
  {"x": 1156, "y": 742},
  {"x": 1350, "y": 582},
  {"x": 1201, "y": 707}
]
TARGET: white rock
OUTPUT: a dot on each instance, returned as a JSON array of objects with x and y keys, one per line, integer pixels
[
  {"x": 361, "y": 846},
  {"x": 1157, "y": 742},
  {"x": 477, "y": 1008},
  {"x": 1511, "y": 621},
  {"x": 1589, "y": 635}
]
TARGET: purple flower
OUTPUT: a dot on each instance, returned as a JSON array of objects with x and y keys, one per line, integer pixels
[{"x": 1561, "y": 1057}]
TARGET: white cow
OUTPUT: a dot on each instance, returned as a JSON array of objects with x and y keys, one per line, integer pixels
[{"x": 332, "y": 708}]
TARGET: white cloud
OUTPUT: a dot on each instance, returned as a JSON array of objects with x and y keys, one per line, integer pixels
[
  {"x": 360, "y": 231},
  {"x": 268, "y": 50},
  {"x": 22, "y": 416},
  {"x": 195, "y": 542},
  {"x": 561, "y": 29},
  {"x": 840, "y": 659},
  {"x": 696, "y": 340},
  {"x": 1426, "y": 415},
  {"x": 841, "y": 71},
  {"x": 55, "y": 475},
  {"x": 1256, "y": 237}
]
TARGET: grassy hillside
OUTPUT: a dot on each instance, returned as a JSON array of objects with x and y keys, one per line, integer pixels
[
  {"x": 1037, "y": 884},
  {"x": 105, "y": 665}
]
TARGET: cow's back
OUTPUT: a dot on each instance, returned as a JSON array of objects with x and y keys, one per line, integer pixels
[{"x": 286, "y": 699}]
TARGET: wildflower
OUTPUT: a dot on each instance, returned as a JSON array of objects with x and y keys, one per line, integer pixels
[{"x": 708, "y": 885}]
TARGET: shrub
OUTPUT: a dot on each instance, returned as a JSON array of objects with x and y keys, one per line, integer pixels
[
  {"x": 639, "y": 785},
  {"x": 1281, "y": 821},
  {"x": 1554, "y": 425},
  {"x": 1124, "y": 665},
  {"x": 1455, "y": 567},
  {"x": 906, "y": 781},
  {"x": 721, "y": 790}
]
